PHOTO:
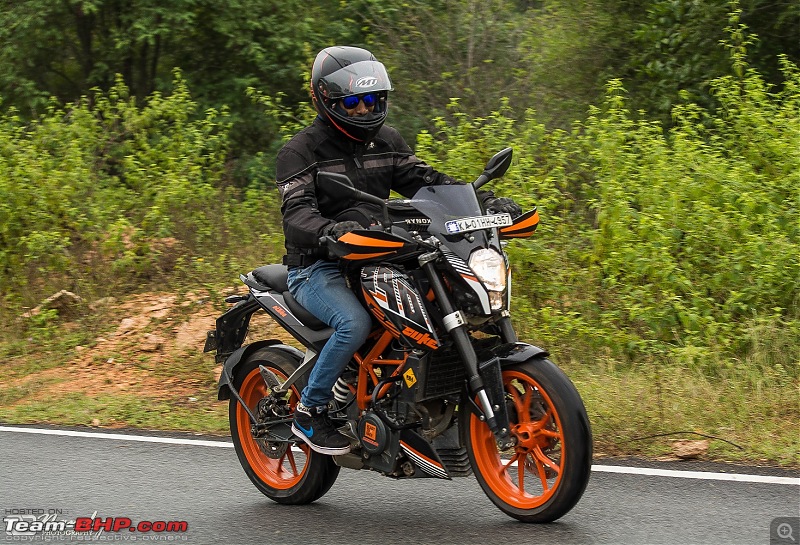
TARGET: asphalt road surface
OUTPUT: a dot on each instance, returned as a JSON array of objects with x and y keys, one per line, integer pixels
[{"x": 198, "y": 481}]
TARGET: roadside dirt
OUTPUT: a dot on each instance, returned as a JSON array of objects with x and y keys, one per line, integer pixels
[{"x": 154, "y": 350}]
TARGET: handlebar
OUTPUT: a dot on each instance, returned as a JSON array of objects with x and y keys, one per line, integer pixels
[{"x": 327, "y": 242}]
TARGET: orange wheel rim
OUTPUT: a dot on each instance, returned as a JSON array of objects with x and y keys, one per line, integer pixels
[
  {"x": 285, "y": 471},
  {"x": 527, "y": 475}
]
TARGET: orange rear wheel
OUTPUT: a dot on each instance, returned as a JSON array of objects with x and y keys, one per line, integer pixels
[
  {"x": 282, "y": 468},
  {"x": 279, "y": 466}
]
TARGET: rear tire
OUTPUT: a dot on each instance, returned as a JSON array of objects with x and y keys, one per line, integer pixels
[
  {"x": 544, "y": 476},
  {"x": 296, "y": 476}
]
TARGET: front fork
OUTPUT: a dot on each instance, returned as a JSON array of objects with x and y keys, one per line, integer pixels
[{"x": 485, "y": 382}]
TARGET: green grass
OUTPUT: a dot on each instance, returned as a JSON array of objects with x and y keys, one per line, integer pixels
[
  {"x": 128, "y": 410},
  {"x": 639, "y": 411},
  {"x": 31, "y": 346},
  {"x": 12, "y": 394},
  {"x": 19, "y": 361}
]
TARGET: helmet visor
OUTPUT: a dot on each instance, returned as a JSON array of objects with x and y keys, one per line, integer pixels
[{"x": 355, "y": 79}]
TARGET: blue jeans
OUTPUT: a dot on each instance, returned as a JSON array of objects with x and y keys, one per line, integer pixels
[{"x": 322, "y": 290}]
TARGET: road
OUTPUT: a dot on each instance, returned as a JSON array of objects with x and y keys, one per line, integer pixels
[{"x": 200, "y": 482}]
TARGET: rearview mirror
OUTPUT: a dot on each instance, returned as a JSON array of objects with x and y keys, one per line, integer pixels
[
  {"x": 498, "y": 165},
  {"x": 495, "y": 168},
  {"x": 336, "y": 178},
  {"x": 347, "y": 185}
]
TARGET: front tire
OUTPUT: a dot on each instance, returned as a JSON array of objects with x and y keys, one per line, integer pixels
[
  {"x": 288, "y": 474},
  {"x": 545, "y": 474}
]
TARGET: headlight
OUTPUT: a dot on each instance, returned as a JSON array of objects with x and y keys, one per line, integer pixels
[{"x": 490, "y": 268}]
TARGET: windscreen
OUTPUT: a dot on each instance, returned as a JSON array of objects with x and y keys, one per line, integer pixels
[{"x": 442, "y": 203}]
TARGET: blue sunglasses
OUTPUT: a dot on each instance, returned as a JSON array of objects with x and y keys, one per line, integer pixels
[{"x": 352, "y": 101}]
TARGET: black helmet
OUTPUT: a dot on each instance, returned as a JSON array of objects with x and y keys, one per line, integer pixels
[{"x": 344, "y": 71}]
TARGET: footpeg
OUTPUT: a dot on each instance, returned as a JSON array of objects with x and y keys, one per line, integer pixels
[{"x": 269, "y": 377}]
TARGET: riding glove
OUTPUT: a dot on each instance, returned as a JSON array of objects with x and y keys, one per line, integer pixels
[
  {"x": 341, "y": 228},
  {"x": 499, "y": 205}
]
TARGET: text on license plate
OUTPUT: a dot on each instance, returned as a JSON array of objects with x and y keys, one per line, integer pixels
[{"x": 464, "y": 225}]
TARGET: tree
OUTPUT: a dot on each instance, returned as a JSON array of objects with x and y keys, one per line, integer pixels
[
  {"x": 443, "y": 49},
  {"x": 678, "y": 47},
  {"x": 68, "y": 47}
]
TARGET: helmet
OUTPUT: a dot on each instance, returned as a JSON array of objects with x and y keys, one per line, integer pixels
[{"x": 343, "y": 71}]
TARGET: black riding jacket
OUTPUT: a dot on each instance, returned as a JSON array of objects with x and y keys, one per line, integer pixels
[{"x": 309, "y": 208}]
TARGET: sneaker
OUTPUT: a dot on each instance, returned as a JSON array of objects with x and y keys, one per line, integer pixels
[{"x": 314, "y": 426}]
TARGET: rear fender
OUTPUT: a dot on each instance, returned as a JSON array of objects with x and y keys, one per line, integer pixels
[
  {"x": 226, "y": 379},
  {"x": 231, "y": 328}
]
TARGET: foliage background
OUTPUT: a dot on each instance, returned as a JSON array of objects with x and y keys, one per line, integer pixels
[{"x": 660, "y": 140}]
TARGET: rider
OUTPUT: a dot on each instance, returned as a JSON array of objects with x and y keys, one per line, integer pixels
[{"x": 349, "y": 89}]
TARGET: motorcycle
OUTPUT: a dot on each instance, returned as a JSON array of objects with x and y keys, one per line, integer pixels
[{"x": 442, "y": 388}]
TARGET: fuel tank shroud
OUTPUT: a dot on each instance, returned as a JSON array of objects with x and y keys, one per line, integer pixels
[{"x": 397, "y": 304}]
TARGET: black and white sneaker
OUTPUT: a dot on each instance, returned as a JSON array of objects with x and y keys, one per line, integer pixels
[{"x": 314, "y": 426}]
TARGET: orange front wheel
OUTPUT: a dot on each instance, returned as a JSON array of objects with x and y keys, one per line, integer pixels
[{"x": 544, "y": 475}]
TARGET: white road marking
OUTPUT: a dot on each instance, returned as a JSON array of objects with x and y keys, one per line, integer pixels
[
  {"x": 121, "y": 437},
  {"x": 652, "y": 472},
  {"x": 707, "y": 475}
]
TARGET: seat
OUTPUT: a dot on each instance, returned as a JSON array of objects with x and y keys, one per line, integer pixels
[
  {"x": 272, "y": 276},
  {"x": 275, "y": 278}
]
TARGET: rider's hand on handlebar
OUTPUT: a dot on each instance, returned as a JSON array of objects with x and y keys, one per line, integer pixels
[
  {"x": 500, "y": 205},
  {"x": 341, "y": 228}
]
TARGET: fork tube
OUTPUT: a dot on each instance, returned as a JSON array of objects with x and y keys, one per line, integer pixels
[
  {"x": 461, "y": 338},
  {"x": 507, "y": 330}
]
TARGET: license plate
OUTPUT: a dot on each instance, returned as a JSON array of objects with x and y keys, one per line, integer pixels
[{"x": 465, "y": 225}]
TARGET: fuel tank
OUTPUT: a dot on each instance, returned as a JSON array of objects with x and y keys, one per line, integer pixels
[{"x": 397, "y": 304}]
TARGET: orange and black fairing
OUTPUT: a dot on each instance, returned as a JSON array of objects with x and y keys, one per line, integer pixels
[
  {"x": 371, "y": 298},
  {"x": 398, "y": 306},
  {"x": 523, "y": 226},
  {"x": 365, "y": 244}
]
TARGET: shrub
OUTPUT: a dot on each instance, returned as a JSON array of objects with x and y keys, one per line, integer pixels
[
  {"x": 654, "y": 243},
  {"x": 104, "y": 180}
]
